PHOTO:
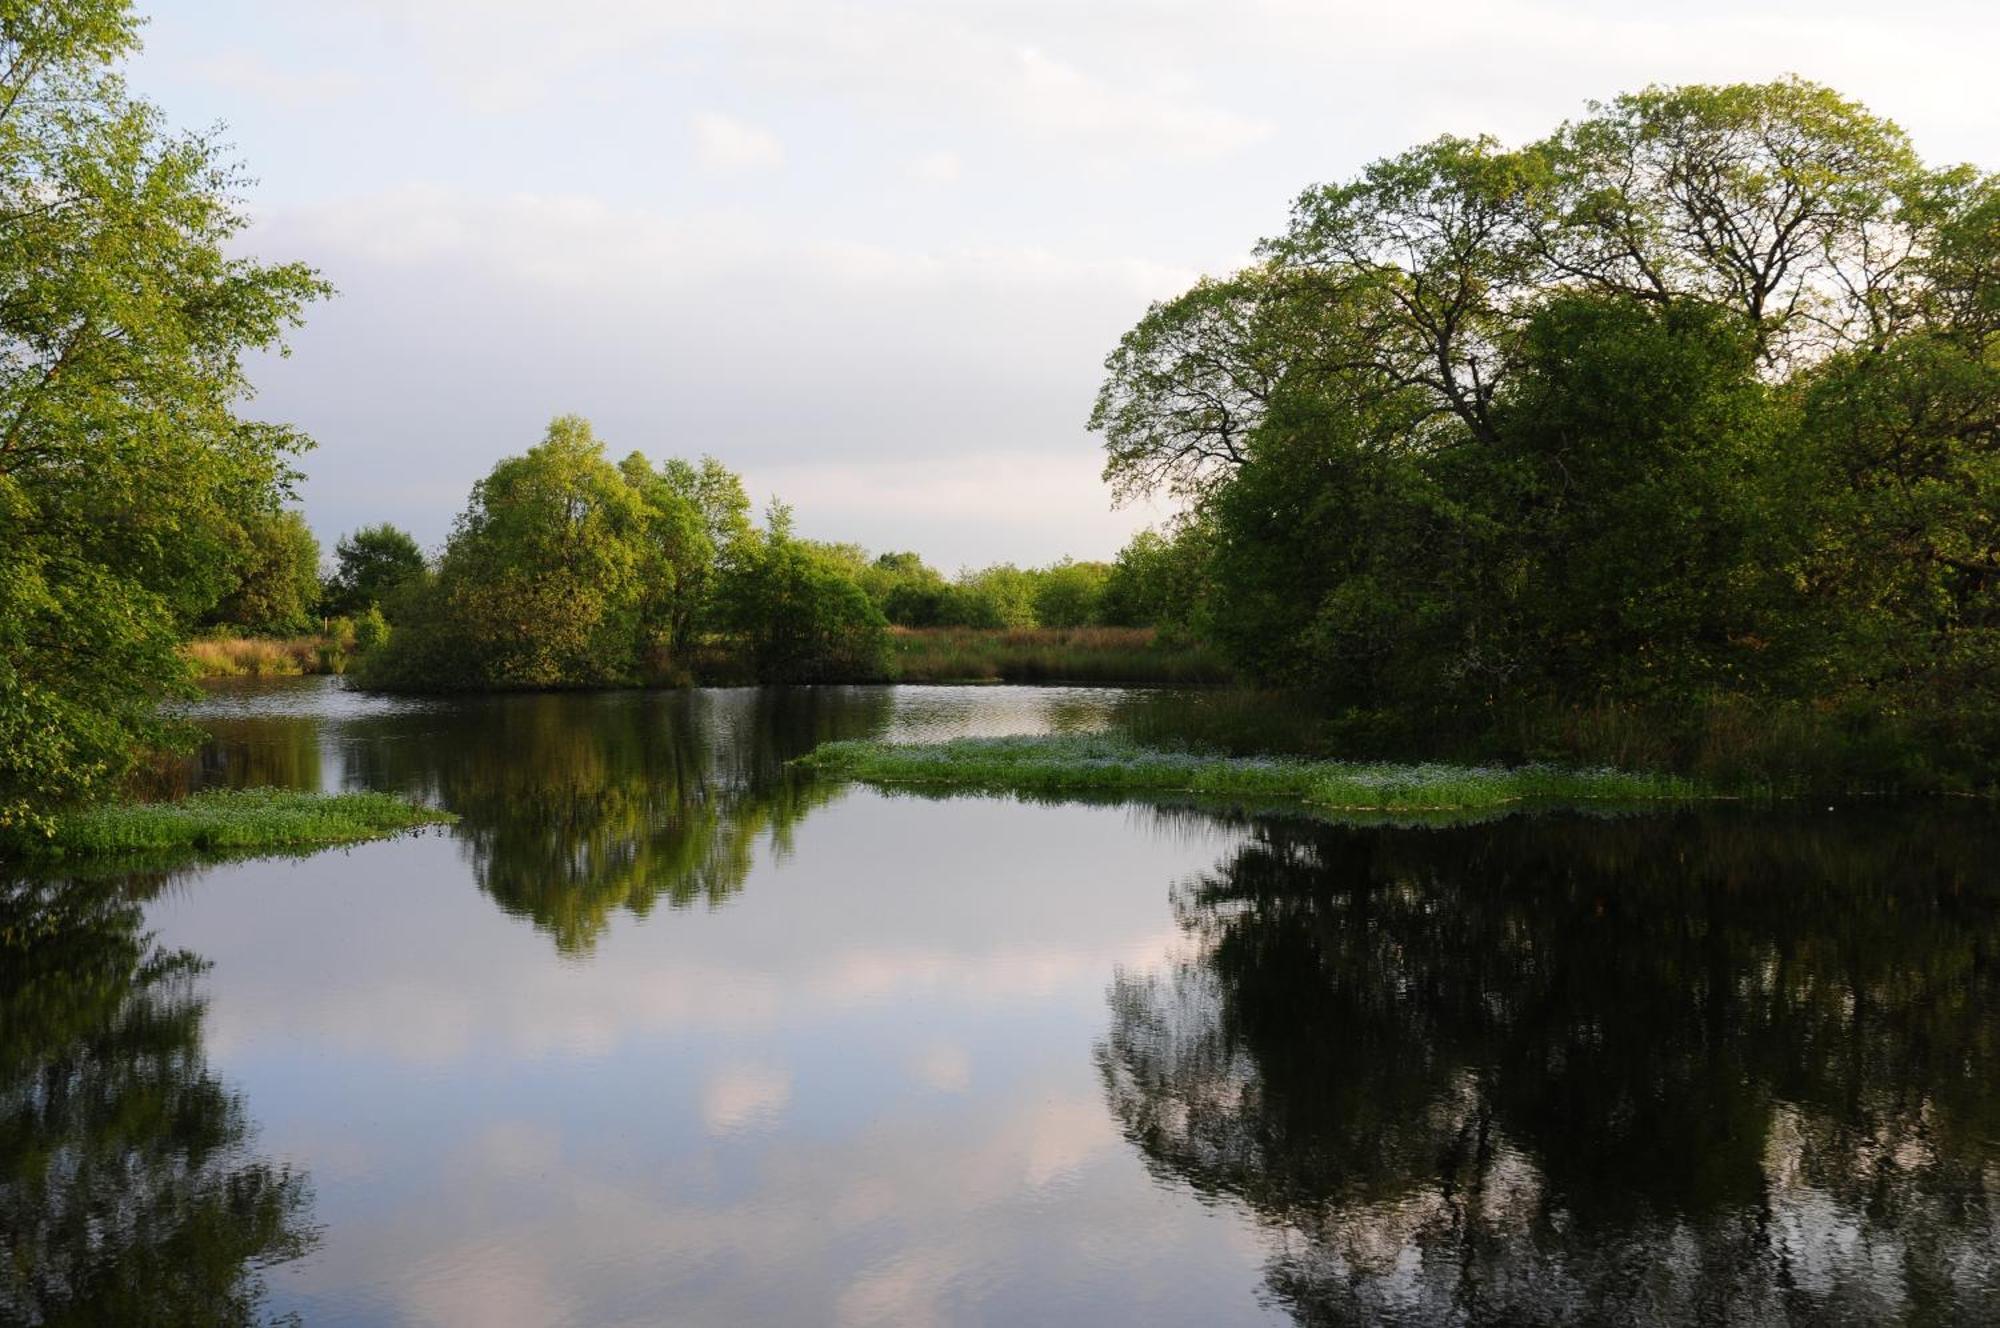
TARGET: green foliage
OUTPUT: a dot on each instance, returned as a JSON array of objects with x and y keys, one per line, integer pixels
[
  {"x": 696, "y": 526},
  {"x": 796, "y": 613},
  {"x": 1697, "y": 398},
  {"x": 125, "y": 472},
  {"x": 539, "y": 585},
  {"x": 568, "y": 571},
  {"x": 1079, "y": 763},
  {"x": 1158, "y": 580},
  {"x": 277, "y": 581},
  {"x": 1002, "y": 595},
  {"x": 371, "y": 629},
  {"x": 369, "y": 566},
  {"x": 1070, "y": 594},
  {"x": 226, "y": 821},
  {"x": 909, "y": 591}
]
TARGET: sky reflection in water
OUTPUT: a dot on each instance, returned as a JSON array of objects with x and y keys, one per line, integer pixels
[{"x": 663, "y": 1032}]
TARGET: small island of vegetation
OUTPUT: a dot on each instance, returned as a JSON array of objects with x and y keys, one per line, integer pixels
[
  {"x": 1073, "y": 763},
  {"x": 226, "y": 822}
]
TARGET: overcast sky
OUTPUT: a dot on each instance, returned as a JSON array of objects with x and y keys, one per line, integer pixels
[{"x": 871, "y": 255}]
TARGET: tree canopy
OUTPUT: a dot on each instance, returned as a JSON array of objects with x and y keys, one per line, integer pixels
[
  {"x": 369, "y": 566},
  {"x": 566, "y": 570},
  {"x": 128, "y": 477},
  {"x": 1699, "y": 394}
]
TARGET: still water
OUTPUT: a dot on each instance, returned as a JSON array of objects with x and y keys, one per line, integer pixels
[{"x": 661, "y": 1033}]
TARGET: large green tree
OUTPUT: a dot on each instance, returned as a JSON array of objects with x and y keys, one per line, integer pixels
[
  {"x": 1698, "y": 395},
  {"x": 277, "y": 586},
  {"x": 566, "y": 570},
  {"x": 539, "y": 585},
  {"x": 126, "y": 471}
]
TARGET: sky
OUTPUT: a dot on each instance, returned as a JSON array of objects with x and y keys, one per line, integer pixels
[{"x": 869, "y": 253}]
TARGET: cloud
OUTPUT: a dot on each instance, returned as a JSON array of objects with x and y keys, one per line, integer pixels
[
  {"x": 902, "y": 396},
  {"x": 1062, "y": 99},
  {"x": 252, "y": 74},
  {"x": 510, "y": 55},
  {"x": 723, "y": 144},
  {"x": 934, "y": 168}
]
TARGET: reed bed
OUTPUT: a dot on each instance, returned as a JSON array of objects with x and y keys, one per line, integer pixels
[
  {"x": 264, "y": 657},
  {"x": 1110, "y": 763}
]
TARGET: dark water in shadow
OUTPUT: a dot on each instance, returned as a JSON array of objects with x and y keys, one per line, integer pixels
[{"x": 660, "y": 1032}]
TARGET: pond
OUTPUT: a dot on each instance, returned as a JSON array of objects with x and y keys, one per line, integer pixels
[{"x": 661, "y": 1031}]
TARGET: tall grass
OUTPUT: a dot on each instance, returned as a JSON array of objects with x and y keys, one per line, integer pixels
[
  {"x": 226, "y": 821},
  {"x": 1131, "y": 655},
  {"x": 1111, "y": 763},
  {"x": 265, "y": 657}
]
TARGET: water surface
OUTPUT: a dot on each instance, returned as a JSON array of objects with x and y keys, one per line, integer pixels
[{"x": 661, "y": 1032}]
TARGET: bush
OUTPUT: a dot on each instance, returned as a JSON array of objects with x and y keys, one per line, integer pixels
[
  {"x": 796, "y": 616},
  {"x": 371, "y": 629},
  {"x": 1070, "y": 594}
]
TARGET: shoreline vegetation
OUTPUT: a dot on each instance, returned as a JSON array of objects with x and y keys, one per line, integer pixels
[
  {"x": 264, "y": 657},
  {"x": 1133, "y": 656},
  {"x": 223, "y": 821},
  {"x": 1107, "y": 763}
]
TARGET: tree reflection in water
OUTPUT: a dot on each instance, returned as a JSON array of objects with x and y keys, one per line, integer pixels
[
  {"x": 128, "y": 1189},
  {"x": 572, "y": 808},
  {"x": 1716, "y": 1068}
]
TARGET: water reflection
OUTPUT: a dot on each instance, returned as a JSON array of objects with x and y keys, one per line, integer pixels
[
  {"x": 575, "y": 807},
  {"x": 1724, "y": 1068},
  {"x": 570, "y": 813},
  {"x": 129, "y": 1192}
]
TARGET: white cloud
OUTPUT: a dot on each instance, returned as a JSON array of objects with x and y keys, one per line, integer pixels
[
  {"x": 935, "y": 168},
  {"x": 1062, "y": 99},
  {"x": 725, "y": 144},
  {"x": 900, "y": 396},
  {"x": 252, "y": 74}
]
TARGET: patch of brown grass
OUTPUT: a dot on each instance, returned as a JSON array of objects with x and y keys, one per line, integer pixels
[{"x": 262, "y": 657}]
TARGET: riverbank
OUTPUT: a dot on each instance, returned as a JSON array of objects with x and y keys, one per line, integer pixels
[
  {"x": 1083, "y": 656},
  {"x": 225, "y": 821},
  {"x": 1106, "y": 763}
]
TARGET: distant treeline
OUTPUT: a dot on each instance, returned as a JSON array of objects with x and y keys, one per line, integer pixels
[
  {"x": 567, "y": 570},
  {"x": 281, "y": 591}
]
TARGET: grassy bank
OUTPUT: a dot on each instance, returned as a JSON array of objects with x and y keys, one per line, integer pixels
[
  {"x": 264, "y": 657},
  {"x": 1131, "y": 655},
  {"x": 1103, "y": 763},
  {"x": 227, "y": 821}
]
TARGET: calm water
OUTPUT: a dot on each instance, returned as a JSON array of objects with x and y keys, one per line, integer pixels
[{"x": 659, "y": 1033}]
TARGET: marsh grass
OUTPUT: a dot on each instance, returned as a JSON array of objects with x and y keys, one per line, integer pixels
[
  {"x": 228, "y": 821},
  {"x": 1128, "y": 655},
  {"x": 264, "y": 657},
  {"x": 1108, "y": 763}
]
